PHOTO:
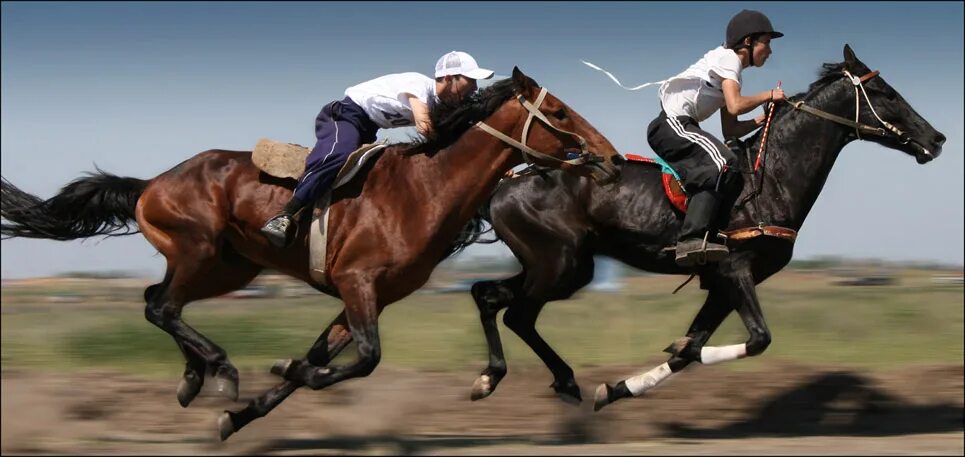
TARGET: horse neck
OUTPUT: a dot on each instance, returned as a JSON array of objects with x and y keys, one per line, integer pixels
[
  {"x": 460, "y": 178},
  {"x": 804, "y": 150}
]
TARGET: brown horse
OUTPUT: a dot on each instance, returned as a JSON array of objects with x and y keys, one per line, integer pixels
[{"x": 390, "y": 227}]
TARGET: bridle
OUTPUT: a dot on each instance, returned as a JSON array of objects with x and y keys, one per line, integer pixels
[
  {"x": 859, "y": 128},
  {"x": 530, "y": 155}
]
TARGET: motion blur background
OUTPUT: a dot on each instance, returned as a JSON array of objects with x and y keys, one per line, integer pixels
[{"x": 867, "y": 356}]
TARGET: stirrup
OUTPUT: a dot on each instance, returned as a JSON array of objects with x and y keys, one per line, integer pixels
[{"x": 702, "y": 255}]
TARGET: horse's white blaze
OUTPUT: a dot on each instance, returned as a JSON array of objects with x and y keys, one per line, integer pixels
[
  {"x": 713, "y": 354},
  {"x": 644, "y": 382}
]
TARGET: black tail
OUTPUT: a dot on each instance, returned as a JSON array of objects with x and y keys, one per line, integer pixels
[
  {"x": 471, "y": 234},
  {"x": 99, "y": 204}
]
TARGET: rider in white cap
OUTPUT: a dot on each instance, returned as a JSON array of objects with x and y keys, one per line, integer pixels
[{"x": 390, "y": 101}]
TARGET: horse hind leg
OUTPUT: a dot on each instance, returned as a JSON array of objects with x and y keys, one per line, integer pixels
[
  {"x": 193, "y": 378},
  {"x": 195, "y": 280}
]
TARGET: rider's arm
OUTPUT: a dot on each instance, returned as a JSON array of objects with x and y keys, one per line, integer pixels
[
  {"x": 733, "y": 128},
  {"x": 420, "y": 112},
  {"x": 737, "y": 104}
]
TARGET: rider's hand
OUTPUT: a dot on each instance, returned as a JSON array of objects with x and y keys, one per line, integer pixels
[
  {"x": 777, "y": 95},
  {"x": 760, "y": 120}
]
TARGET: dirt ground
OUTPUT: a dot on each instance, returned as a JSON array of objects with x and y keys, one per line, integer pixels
[{"x": 783, "y": 409}]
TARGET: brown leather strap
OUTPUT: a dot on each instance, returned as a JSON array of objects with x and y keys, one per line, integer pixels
[
  {"x": 745, "y": 234},
  {"x": 868, "y": 76}
]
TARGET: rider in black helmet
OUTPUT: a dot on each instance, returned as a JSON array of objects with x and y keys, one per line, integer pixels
[{"x": 706, "y": 166}]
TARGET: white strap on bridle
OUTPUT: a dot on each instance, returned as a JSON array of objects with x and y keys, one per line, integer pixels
[{"x": 856, "y": 82}]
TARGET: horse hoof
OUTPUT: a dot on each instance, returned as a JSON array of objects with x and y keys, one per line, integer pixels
[
  {"x": 282, "y": 367},
  {"x": 570, "y": 399},
  {"x": 226, "y": 428},
  {"x": 188, "y": 388},
  {"x": 568, "y": 391},
  {"x": 482, "y": 388},
  {"x": 228, "y": 388},
  {"x": 601, "y": 398}
]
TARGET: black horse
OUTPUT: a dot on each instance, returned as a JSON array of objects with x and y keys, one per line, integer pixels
[{"x": 556, "y": 222}]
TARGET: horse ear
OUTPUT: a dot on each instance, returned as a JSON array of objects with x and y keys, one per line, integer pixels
[
  {"x": 849, "y": 56},
  {"x": 523, "y": 84},
  {"x": 852, "y": 63}
]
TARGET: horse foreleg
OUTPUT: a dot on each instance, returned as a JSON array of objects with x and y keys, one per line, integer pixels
[
  {"x": 490, "y": 298},
  {"x": 685, "y": 350},
  {"x": 738, "y": 288},
  {"x": 328, "y": 345},
  {"x": 521, "y": 319},
  {"x": 362, "y": 313},
  {"x": 556, "y": 280}
]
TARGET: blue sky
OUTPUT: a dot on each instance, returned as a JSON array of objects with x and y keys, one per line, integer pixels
[{"x": 138, "y": 87}]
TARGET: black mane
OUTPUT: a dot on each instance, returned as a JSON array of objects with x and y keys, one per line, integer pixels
[
  {"x": 450, "y": 121},
  {"x": 828, "y": 73}
]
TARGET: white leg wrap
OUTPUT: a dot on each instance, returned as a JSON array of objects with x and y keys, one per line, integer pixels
[
  {"x": 639, "y": 384},
  {"x": 712, "y": 354}
]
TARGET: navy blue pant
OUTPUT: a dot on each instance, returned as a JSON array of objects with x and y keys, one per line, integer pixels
[{"x": 341, "y": 127}]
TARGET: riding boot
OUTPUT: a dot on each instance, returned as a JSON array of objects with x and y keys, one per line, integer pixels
[
  {"x": 281, "y": 229},
  {"x": 696, "y": 245}
]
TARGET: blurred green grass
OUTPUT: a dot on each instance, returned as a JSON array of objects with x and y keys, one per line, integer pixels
[{"x": 811, "y": 321}]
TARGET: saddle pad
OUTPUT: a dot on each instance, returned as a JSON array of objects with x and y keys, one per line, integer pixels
[
  {"x": 282, "y": 160},
  {"x": 671, "y": 182},
  {"x": 287, "y": 160}
]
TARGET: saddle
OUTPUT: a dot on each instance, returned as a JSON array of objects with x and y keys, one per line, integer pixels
[
  {"x": 672, "y": 185},
  {"x": 674, "y": 191},
  {"x": 287, "y": 160}
]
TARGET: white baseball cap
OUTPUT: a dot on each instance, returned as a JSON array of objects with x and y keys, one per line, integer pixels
[{"x": 460, "y": 63}]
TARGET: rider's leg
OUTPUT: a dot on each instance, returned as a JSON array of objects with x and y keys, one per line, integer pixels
[
  {"x": 336, "y": 140},
  {"x": 705, "y": 165}
]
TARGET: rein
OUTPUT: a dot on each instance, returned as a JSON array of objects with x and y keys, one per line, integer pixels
[{"x": 858, "y": 83}]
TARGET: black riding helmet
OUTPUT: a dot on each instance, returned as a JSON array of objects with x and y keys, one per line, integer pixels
[{"x": 747, "y": 23}]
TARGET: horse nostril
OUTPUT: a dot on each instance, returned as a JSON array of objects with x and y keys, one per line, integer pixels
[{"x": 939, "y": 139}]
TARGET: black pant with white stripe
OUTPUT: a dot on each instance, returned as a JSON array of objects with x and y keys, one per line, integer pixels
[{"x": 706, "y": 166}]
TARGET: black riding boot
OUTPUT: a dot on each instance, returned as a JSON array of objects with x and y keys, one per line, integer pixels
[
  {"x": 281, "y": 229},
  {"x": 696, "y": 245}
]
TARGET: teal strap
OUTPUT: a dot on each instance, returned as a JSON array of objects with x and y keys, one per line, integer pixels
[{"x": 666, "y": 167}]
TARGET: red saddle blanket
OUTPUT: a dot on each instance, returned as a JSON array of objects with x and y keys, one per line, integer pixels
[{"x": 671, "y": 187}]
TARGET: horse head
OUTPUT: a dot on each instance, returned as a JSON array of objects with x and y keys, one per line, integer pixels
[
  {"x": 559, "y": 137},
  {"x": 880, "y": 104}
]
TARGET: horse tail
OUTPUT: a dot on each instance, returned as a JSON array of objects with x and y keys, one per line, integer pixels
[{"x": 98, "y": 204}]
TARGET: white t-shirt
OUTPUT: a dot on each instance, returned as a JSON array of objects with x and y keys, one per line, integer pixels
[
  {"x": 697, "y": 91},
  {"x": 385, "y": 100}
]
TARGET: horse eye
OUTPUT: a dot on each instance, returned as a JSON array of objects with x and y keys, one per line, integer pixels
[{"x": 560, "y": 114}]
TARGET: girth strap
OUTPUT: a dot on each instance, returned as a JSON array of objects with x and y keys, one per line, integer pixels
[{"x": 744, "y": 234}]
